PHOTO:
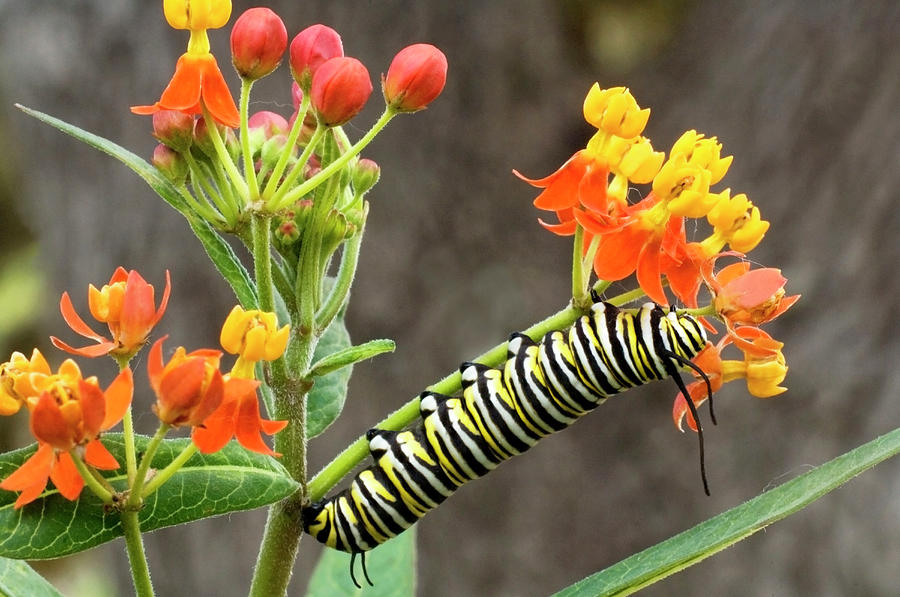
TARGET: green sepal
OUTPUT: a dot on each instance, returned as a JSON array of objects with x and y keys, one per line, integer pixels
[
  {"x": 220, "y": 253},
  {"x": 17, "y": 579},
  {"x": 391, "y": 567},
  {"x": 350, "y": 356},
  {"x": 229, "y": 480}
]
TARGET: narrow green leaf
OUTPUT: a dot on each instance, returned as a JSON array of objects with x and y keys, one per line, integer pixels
[
  {"x": 218, "y": 250},
  {"x": 714, "y": 535},
  {"x": 326, "y": 399},
  {"x": 391, "y": 566},
  {"x": 230, "y": 480},
  {"x": 17, "y": 579},
  {"x": 349, "y": 356}
]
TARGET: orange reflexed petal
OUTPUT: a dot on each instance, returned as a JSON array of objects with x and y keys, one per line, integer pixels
[
  {"x": 49, "y": 425},
  {"x": 33, "y": 471},
  {"x": 66, "y": 477},
  {"x": 138, "y": 311},
  {"x": 183, "y": 91},
  {"x": 74, "y": 321},
  {"x": 561, "y": 187},
  {"x": 648, "y": 275},
  {"x": 248, "y": 424},
  {"x": 96, "y": 454},
  {"x": 217, "y": 96},
  {"x": 617, "y": 255},
  {"x": 217, "y": 429},
  {"x": 93, "y": 407},
  {"x": 118, "y": 398}
]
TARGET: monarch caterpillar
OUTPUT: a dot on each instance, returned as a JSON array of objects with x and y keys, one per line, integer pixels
[{"x": 542, "y": 387}]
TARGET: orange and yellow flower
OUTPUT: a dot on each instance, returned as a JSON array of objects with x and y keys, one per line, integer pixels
[
  {"x": 188, "y": 388},
  {"x": 253, "y": 336},
  {"x": 19, "y": 378},
  {"x": 197, "y": 82},
  {"x": 744, "y": 296},
  {"x": 126, "y": 305},
  {"x": 68, "y": 414}
]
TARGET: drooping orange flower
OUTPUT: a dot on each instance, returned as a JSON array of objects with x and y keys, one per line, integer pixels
[
  {"x": 197, "y": 81},
  {"x": 69, "y": 412},
  {"x": 126, "y": 305},
  {"x": 188, "y": 388},
  {"x": 238, "y": 416},
  {"x": 744, "y": 296},
  {"x": 763, "y": 366}
]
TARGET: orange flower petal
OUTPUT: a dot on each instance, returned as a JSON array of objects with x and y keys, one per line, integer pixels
[
  {"x": 183, "y": 91},
  {"x": 247, "y": 426},
  {"x": 49, "y": 425},
  {"x": 92, "y": 351},
  {"x": 33, "y": 471},
  {"x": 217, "y": 96},
  {"x": 96, "y": 454},
  {"x": 617, "y": 255},
  {"x": 66, "y": 477},
  {"x": 74, "y": 321},
  {"x": 217, "y": 429},
  {"x": 93, "y": 407},
  {"x": 648, "y": 275},
  {"x": 561, "y": 187},
  {"x": 155, "y": 365},
  {"x": 181, "y": 387},
  {"x": 118, "y": 398}
]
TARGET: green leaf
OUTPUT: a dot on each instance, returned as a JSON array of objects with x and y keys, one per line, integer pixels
[
  {"x": 351, "y": 355},
  {"x": 17, "y": 579},
  {"x": 391, "y": 566},
  {"x": 219, "y": 251},
  {"x": 714, "y": 535},
  {"x": 326, "y": 399},
  {"x": 230, "y": 480}
]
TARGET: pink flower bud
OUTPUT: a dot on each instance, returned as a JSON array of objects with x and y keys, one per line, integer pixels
[
  {"x": 271, "y": 123},
  {"x": 364, "y": 175},
  {"x": 174, "y": 129},
  {"x": 171, "y": 163},
  {"x": 258, "y": 41},
  {"x": 296, "y": 95},
  {"x": 416, "y": 76},
  {"x": 310, "y": 48},
  {"x": 340, "y": 89}
]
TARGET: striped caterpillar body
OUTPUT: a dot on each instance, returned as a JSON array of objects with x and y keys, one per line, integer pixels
[{"x": 542, "y": 387}]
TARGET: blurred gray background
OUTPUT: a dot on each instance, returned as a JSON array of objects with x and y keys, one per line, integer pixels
[{"x": 805, "y": 95}]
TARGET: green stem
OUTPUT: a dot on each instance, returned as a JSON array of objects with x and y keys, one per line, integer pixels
[
  {"x": 202, "y": 208},
  {"x": 346, "y": 272},
  {"x": 249, "y": 169},
  {"x": 224, "y": 158},
  {"x": 165, "y": 474},
  {"x": 130, "y": 450},
  {"x": 90, "y": 480},
  {"x": 134, "y": 544},
  {"x": 579, "y": 283},
  {"x": 272, "y": 186},
  {"x": 261, "y": 235},
  {"x": 335, "y": 166},
  {"x": 134, "y": 497},
  {"x": 296, "y": 169}
]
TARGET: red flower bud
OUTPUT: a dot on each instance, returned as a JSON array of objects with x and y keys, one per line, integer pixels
[
  {"x": 310, "y": 48},
  {"x": 416, "y": 76},
  {"x": 258, "y": 41},
  {"x": 340, "y": 89},
  {"x": 174, "y": 129},
  {"x": 296, "y": 95}
]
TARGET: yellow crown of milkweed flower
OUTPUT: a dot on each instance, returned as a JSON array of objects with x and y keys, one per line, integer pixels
[
  {"x": 632, "y": 158},
  {"x": 20, "y": 378},
  {"x": 685, "y": 187},
  {"x": 704, "y": 153},
  {"x": 253, "y": 335},
  {"x": 615, "y": 111},
  {"x": 197, "y": 14},
  {"x": 737, "y": 221}
]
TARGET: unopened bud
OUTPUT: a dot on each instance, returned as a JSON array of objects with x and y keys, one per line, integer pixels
[
  {"x": 365, "y": 175},
  {"x": 171, "y": 163},
  {"x": 415, "y": 78},
  {"x": 258, "y": 41},
  {"x": 174, "y": 129},
  {"x": 310, "y": 49},
  {"x": 340, "y": 89}
]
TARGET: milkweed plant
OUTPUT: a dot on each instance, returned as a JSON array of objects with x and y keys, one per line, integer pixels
[{"x": 292, "y": 188}]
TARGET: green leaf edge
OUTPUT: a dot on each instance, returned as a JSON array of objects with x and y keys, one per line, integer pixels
[
  {"x": 18, "y": 579},
  {"x": 151, "y": 518},
  {"x": 711, "y": 536},
  {"x": 219, "y": 251}
]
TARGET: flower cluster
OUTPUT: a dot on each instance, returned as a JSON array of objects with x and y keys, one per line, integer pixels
[
  {"x": 69, "y": 412},
  {"x": 230, "y": 164},
  {"x": 590, "y": 195}
]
